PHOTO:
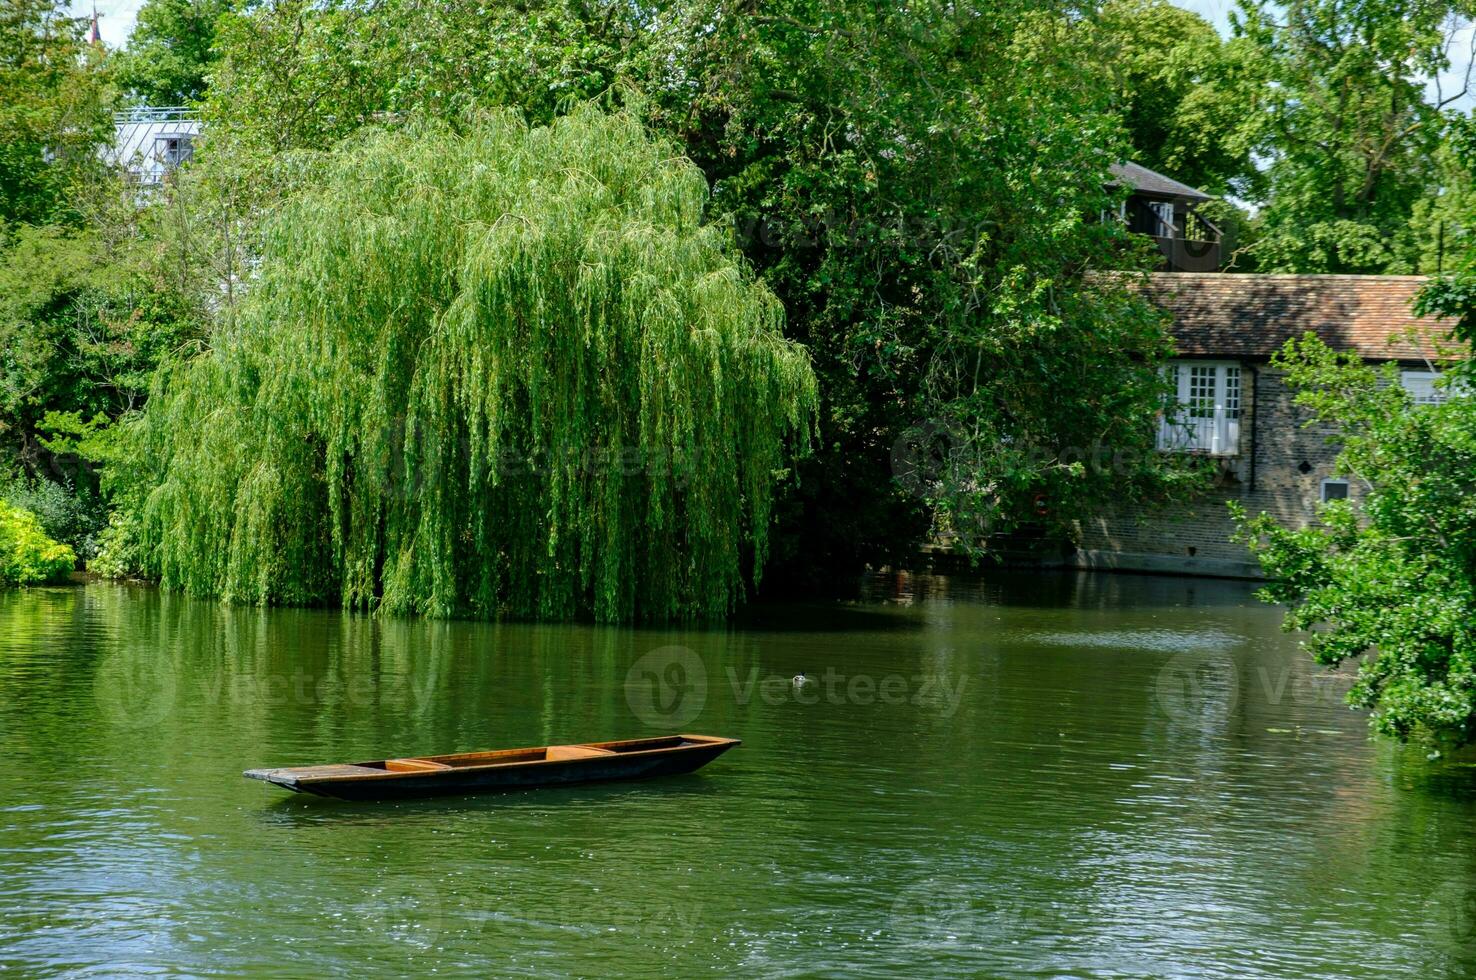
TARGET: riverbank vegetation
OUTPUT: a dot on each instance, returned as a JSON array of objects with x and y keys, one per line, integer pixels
[
  {"x": 27, "y": 555},
  {"x": 911, "y": 194},
  {"x": 919, "y": 187},
  {"x": 89, "y": 303},
  {"x": 1388, "y": 583}
]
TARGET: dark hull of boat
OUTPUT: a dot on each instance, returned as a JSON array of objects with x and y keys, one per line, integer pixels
[{"x": 677, "y": 759}]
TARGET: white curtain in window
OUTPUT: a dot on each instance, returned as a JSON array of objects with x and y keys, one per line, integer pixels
[{"x": 1205, "y": 417}]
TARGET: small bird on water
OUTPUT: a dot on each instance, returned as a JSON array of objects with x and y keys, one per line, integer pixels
[{"x": 800, "y": 680}]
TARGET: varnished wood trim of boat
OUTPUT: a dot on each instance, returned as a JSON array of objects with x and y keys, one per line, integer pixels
[
  {"x": 564, "y": 753},
  {"x": 413, "y": 765}
]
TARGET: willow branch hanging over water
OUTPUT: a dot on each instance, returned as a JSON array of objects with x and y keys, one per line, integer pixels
[{"x": 482, "y": 372}]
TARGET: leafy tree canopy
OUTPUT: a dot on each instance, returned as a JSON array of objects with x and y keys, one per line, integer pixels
[
  {"x": 1389, "y": 581},
  {"x": 53, "y": 112},
  {"x": 489, "y": 370},
  {"x": 918, "y": 183},
  {"x": 170, "y": 51},
  {"x": 922, "y": 185},
  {"x": 1182, "y": 94},
  {"x": 1351, "y": 139},
  {"x": 1443, "y": 225},
  {"x": 83, "y": 325}
]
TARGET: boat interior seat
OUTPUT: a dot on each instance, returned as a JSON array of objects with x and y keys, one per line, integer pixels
[
  {"x": 564, "y": 753},
  {"x": 412, "y": 765}
]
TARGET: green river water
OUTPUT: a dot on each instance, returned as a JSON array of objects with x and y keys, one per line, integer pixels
[{"x": 1053, "y": 776}]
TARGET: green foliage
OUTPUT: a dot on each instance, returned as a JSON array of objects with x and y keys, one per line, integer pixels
[
  {"x": 918, "y": 185},
  {"x": 1350, "y": 137},
  {"x": 84, "y": 315},
  {"x": 1453, "y": 298},
  {"x": 72, "y": 435},
  {"x": 1181, "y": 92},
  {"x": 117, "y": 546},
  {"x": 82, "y": 327},
  {"x": 1443, "y": 224},
  {"x": 75, "y": 518},
  {"x": 300, "y": 74},
  {"x": 296, "y": 76},
  {"x": 169, "y": 55},
  {"x": 53, "y": 111},
  {"x": 1388, "y": 579},
  {"x": 493, "y": 370},
  {"x": 27, "y": 555}
]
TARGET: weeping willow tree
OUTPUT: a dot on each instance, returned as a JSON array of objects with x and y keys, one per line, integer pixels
[{"x": 495, "y": 370}]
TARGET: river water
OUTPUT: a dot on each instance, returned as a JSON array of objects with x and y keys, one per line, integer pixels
[{"x": 1054, "y": 776}]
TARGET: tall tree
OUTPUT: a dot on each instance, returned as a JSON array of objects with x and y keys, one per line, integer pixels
[
  {"x": 501, "y": 370},
  {"x": 1181, "y": 93},
  {"x": 920, "y": 183},
  {"x": 53, "y": 111},
  {"x": 300, "y": 73},
  {"x": 170, "y": 52},
  {"x": 917, "y": 183},
  {"x": 84, "y": 317},
  {"x": 1443, "y": 225},
  {"x": 83, "y": 324},
  {"x": 1349, "y": 133}
]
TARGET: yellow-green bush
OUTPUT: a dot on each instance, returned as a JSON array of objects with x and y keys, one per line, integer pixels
[{"x": 27, "y": 555}]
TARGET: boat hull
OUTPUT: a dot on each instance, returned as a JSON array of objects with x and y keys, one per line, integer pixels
[{"x": 465, "y": 774}]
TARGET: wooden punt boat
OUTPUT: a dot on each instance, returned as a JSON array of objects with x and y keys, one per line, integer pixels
[{"x": 481, "y": 772}]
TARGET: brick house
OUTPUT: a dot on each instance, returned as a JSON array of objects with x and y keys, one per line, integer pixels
[{"x": 1234, "y": 408}]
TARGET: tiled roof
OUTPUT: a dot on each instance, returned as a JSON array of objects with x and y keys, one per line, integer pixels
[
  {"x": 1142, "y": 179},
  {"x": 1224, "y": 314}
]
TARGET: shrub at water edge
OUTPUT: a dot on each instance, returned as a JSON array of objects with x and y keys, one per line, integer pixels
[{"x": 27, "y": 555}]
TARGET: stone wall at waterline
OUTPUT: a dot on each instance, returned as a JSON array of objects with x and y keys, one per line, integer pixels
[{"x": 1279, "y": 469}]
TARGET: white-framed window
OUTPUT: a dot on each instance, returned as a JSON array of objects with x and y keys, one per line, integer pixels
[
  {"x": 174, "y": 149},
  {"x": 1205, "y": 416},
  {"x": 1333, "y": 489},
  {"x": 1423, "y": 390}
]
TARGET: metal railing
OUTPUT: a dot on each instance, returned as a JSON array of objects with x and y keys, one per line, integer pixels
[
  {"x": 1215, "y": 431},
  {"x": 156, "y": 114}
]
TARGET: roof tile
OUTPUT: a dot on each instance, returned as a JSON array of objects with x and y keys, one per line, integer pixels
[
  {"x": 1224, "y": 314},
  {"x": 1139, "y": 178}
]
